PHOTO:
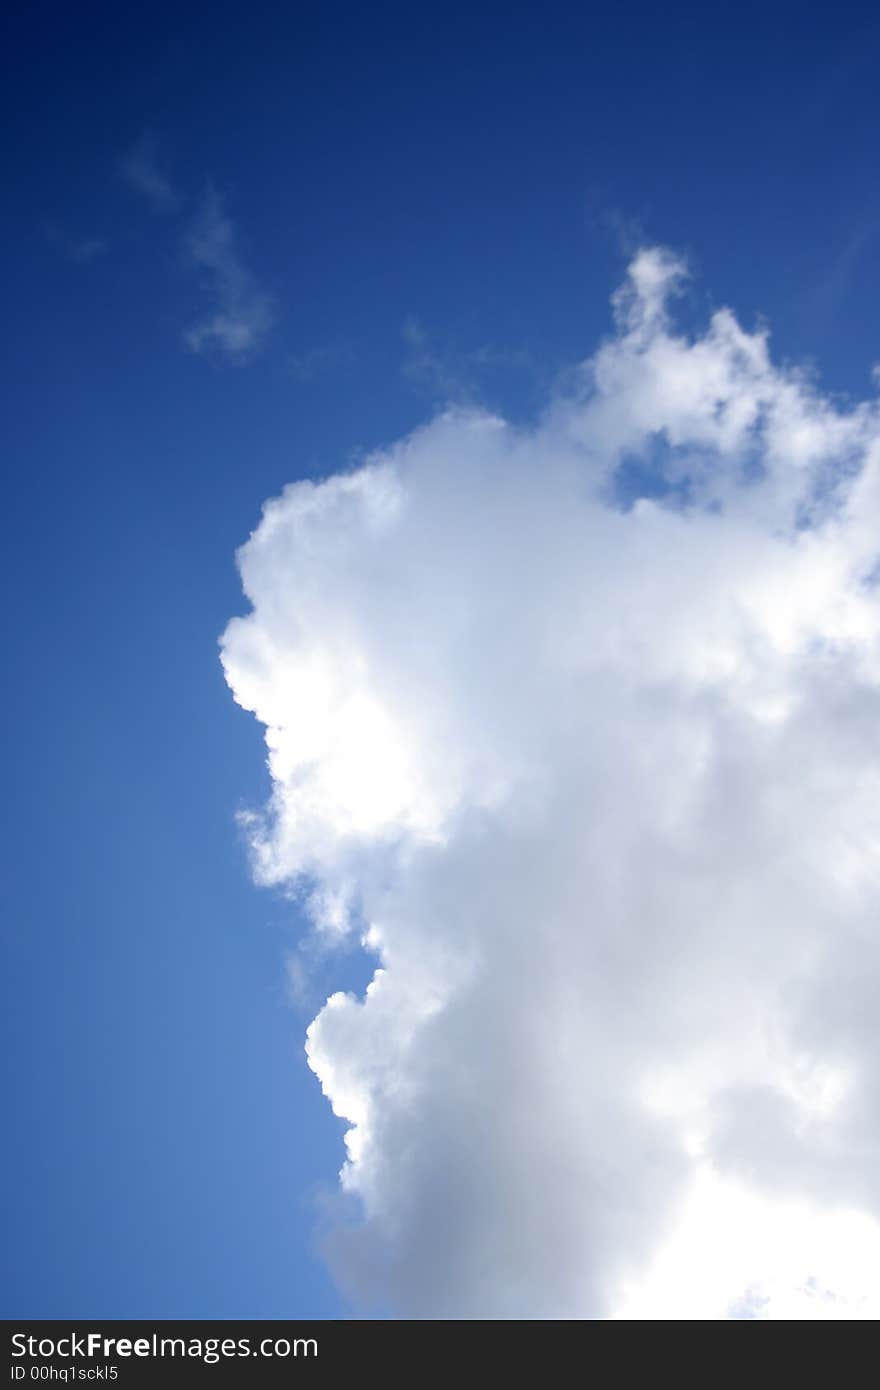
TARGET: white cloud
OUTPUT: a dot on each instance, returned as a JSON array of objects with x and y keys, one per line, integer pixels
[
  {"x": 241, "y": 313},
  {"x": 578, "y": 726},
  {"x": 142, "y": 172}
]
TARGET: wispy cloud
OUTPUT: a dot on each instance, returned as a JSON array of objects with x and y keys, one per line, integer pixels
[
  {"x": 841, "y": 274},
  {"x": 242, "y": 312},
  {"x": 80, "y": 250},
  {"x": 319, "y": 361},
  {"x": 425, "y": 368},
  {"x": 453, "y": 374},
  {"x": 142, "y": 172}
]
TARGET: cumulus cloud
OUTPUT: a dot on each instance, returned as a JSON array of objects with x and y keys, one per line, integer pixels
[
  {"x": 241, "y": 313},
  {"x": 577, "y": 727}
]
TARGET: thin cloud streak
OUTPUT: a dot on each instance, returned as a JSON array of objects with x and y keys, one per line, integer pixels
[
  {"x": 78, "y": 250},
  {"x": 141, "y": 170},
  {"x": 242, "y": 313}
]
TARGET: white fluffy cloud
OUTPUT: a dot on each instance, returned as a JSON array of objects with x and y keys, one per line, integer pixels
[{"x": 578, "y": 726}]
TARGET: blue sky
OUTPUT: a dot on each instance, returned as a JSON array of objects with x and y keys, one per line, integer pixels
[{"x": 397, "y": 206}]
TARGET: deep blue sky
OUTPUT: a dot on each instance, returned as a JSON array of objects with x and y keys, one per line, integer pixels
[{"x": 452, "y": 186}]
